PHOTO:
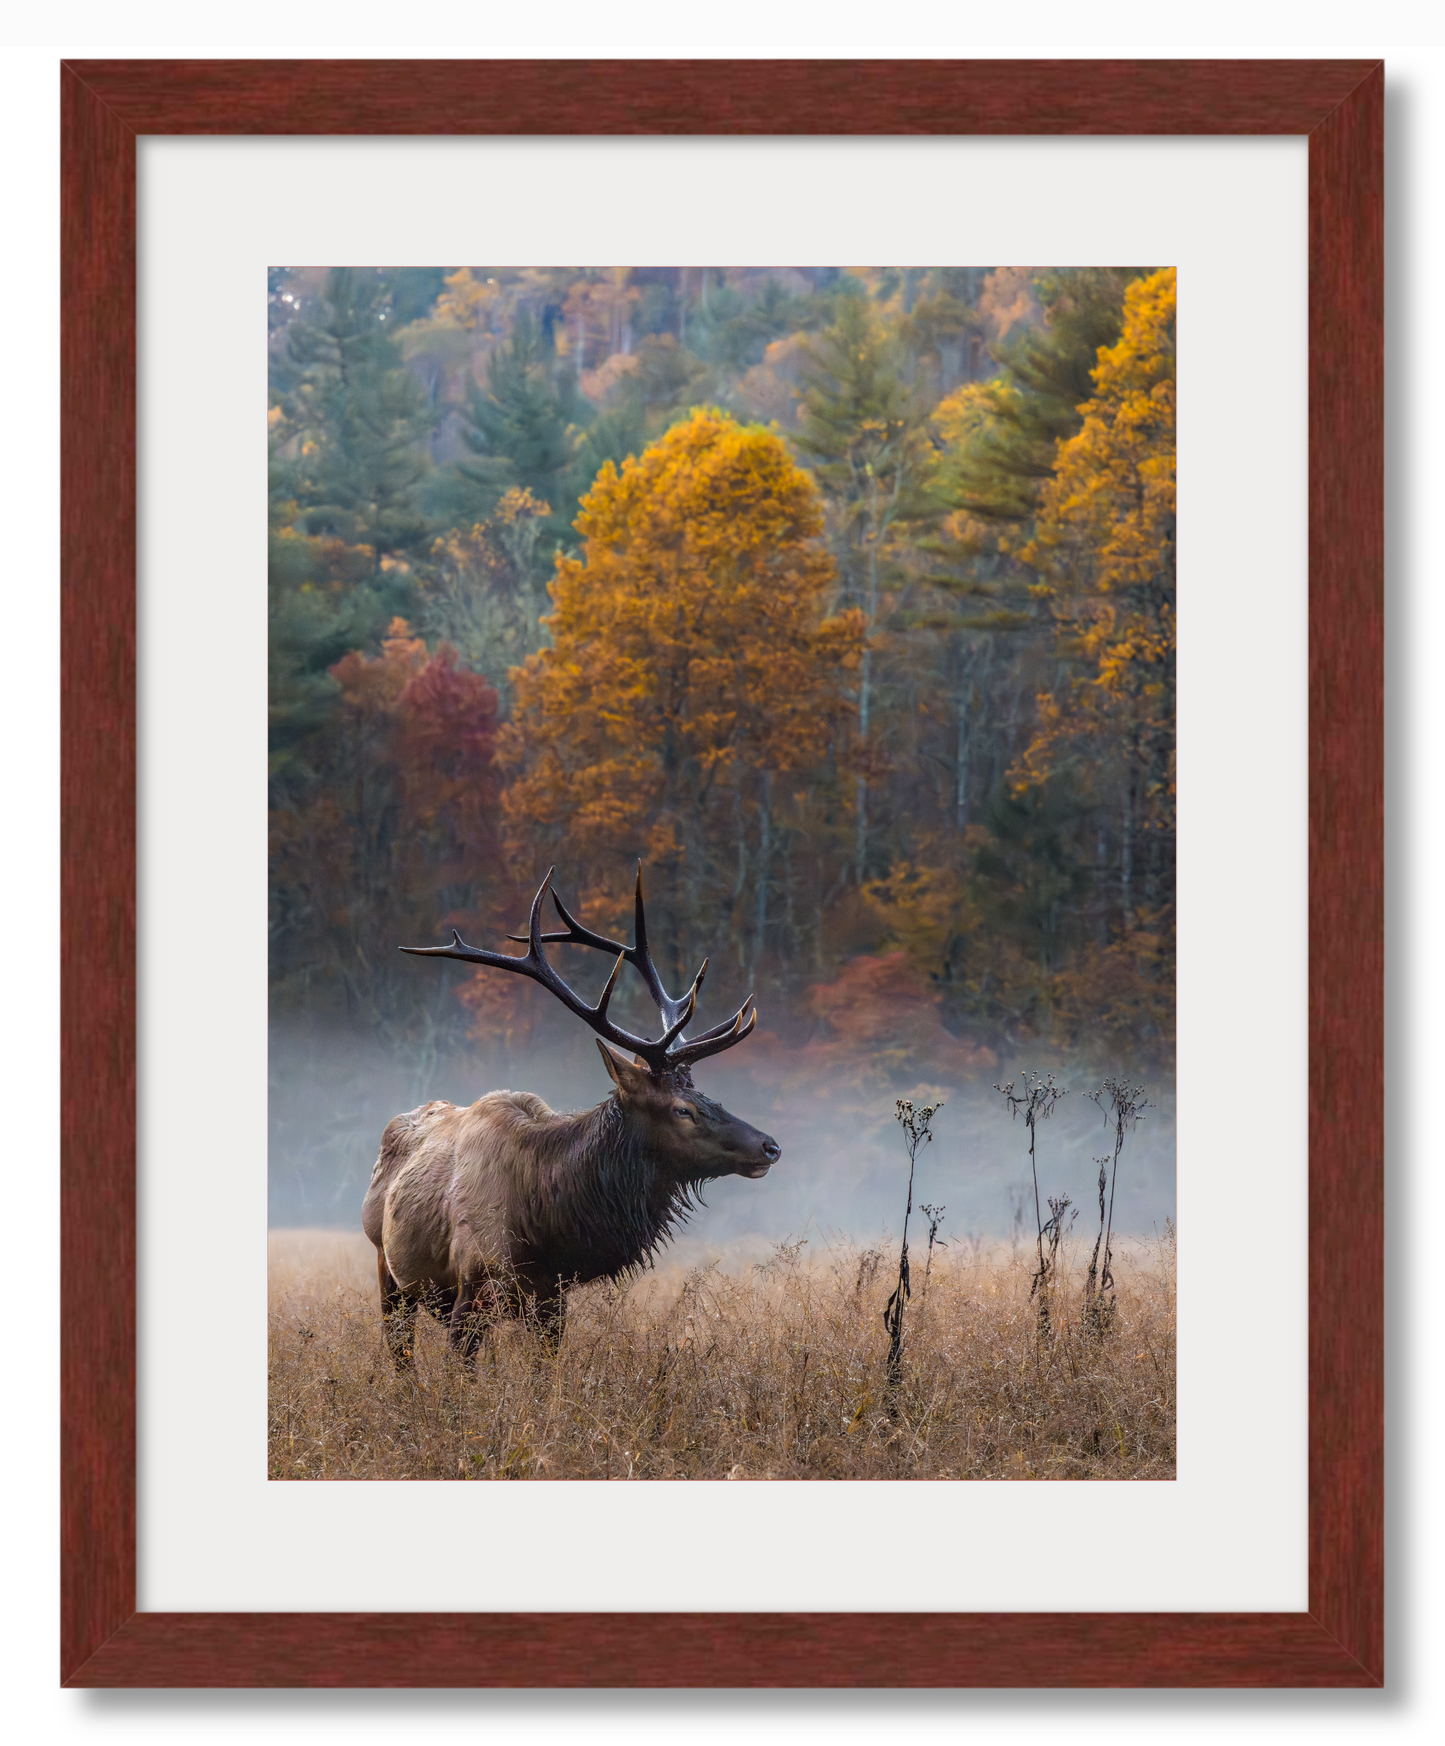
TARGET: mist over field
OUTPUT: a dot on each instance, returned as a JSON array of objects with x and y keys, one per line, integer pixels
[{"x": 843, "y": 1172}]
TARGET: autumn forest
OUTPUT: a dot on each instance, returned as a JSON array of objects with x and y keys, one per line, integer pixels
[{"x": 842, "y": 599}]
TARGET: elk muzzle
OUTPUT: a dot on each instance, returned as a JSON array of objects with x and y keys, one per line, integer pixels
[{"x": 770, "y": 1151}]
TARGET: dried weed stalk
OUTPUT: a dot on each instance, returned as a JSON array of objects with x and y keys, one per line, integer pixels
[
  {"x": 1124, "y": 1104},
  {"x": 916, "y": 1133},
  {"x": 1037, "y": 1099}
]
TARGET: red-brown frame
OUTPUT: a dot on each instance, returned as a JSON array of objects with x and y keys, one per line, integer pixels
[{"x": 1339, "y": 105}]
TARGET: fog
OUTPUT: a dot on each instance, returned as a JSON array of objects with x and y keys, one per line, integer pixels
[{"x": 843, "y": 1172}]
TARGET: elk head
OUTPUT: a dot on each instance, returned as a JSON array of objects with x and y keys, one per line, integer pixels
[
  {"x": 696, "y": 1138},
  {"x": 691, "y": 1134}
]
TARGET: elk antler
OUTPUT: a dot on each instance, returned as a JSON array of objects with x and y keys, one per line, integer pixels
[{"x": 671, "y": 1049}]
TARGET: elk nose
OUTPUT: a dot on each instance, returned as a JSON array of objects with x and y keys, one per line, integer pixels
[{"x": 772, "y": 1151}]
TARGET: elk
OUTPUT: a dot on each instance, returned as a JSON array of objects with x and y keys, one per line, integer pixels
[{"x": 493, "y": 1211}]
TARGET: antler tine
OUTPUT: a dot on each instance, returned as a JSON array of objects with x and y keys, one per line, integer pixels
[
  {"x": 534, "y": 919},
  {"x": 689, "y": 1006},
  {"x": 468, "y": 954},
  {"x": 601, "y": 1007},
  {"x": 576, "y": 934},
  {"x": 714, "y": 1045},
  {"x": 583, "y": 936},
  {"x": 438, "y": 951},
  {"x": 722, "y": 1029},
  {"x": 639, "y": 915},
  {"x": 498, "y": 960},
  {"x": 643, "y": 964}
]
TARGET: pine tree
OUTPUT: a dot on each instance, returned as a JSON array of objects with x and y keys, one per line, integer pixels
[
  {"x": 522, "y": 427},
  {"x": 357, "y": 422},
  {"x": 1003, "y": 434},
  {"x": 349, "y": 432}
]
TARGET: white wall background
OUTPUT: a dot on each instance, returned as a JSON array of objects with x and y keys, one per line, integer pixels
[{"x": 1413, "y": 44}]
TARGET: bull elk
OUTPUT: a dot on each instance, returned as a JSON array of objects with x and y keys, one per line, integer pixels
[{"x": 493, "y": 1211}]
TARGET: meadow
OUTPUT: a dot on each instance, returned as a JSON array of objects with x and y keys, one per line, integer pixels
[{"x": 770, "y": 1369}]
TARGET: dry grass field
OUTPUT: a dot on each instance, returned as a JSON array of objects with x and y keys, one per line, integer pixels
[{"x": 772, "y": 1371}]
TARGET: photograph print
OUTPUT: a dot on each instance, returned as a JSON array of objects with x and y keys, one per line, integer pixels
[{"x": 721, "y": 873}]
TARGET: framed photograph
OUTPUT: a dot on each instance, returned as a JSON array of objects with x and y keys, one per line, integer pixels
[{"x": 817, "y": 621}]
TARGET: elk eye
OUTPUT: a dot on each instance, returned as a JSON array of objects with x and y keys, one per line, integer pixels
[{"x": 685, "y": 1113}]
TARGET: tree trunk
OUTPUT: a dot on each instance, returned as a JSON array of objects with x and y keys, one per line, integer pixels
[
  {"x": 865, "y": 678},
  {"x": 962, "y": 752},
  {"x": 740, "y": 883},
  {"x": 765, "y": 844},
  {"x": 790, "y": 932},
  {"x": 1126, "y": 855}
]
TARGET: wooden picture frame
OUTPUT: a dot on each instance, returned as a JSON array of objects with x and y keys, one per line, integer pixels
[{"x": 1338, "y": 1640}]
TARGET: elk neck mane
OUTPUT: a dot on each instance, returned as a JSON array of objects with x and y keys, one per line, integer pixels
[{"x": 600, "y": 1183}]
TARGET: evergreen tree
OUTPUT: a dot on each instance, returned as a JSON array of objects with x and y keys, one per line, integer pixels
[
  {"x": 320, "y": 606},
  {"x": 357, "y": 421},
  {"x": 522, "y": 427},
  {"x": 349, "y": 433},
  {"x": 1007, "y": 430}
]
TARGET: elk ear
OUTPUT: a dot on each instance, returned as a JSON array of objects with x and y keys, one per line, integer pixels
[{"x": 627, "y": 1076}]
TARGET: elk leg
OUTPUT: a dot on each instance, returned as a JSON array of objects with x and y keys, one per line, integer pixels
[
  {"x": 398, "y": 1315},
  {"x": 474, "y": 1313}
]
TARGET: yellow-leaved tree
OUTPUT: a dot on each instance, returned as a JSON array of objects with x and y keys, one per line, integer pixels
[
  {"x": 1104, "y": 551},
  {"x": 695, "y": 703}
]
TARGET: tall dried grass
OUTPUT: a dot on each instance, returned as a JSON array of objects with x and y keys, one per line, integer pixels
[{"x": 777, "y": 1371}]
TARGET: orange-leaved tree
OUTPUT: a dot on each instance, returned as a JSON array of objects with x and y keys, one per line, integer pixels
[{"x": 695, "y": 702}]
